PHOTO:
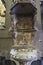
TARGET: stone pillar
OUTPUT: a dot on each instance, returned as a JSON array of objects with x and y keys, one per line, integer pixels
[
  {"x": 38, "y": 38},
  {"x": 38, "y": 14}
]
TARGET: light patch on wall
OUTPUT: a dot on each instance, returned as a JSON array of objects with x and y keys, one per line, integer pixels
[{"x": 2, "y": 15}]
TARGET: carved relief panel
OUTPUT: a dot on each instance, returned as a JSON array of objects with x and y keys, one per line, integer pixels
[{"x": 23, "y": 23}]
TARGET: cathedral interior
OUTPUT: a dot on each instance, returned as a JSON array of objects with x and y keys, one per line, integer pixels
[{"x": 21, "y": 32}]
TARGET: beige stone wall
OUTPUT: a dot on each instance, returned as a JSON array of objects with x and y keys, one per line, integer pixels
[{"x": 6, "y": 40}]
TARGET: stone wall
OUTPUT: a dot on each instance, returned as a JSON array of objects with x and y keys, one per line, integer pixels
[{"x": 6, "y": 40}]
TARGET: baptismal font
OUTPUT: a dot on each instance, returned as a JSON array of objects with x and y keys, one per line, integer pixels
[{"x": 23, "y": 20}]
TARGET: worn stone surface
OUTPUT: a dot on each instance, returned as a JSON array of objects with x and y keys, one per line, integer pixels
[
  {"x": 23, "y": 23},
  {"x": 5, "y": 42}
]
